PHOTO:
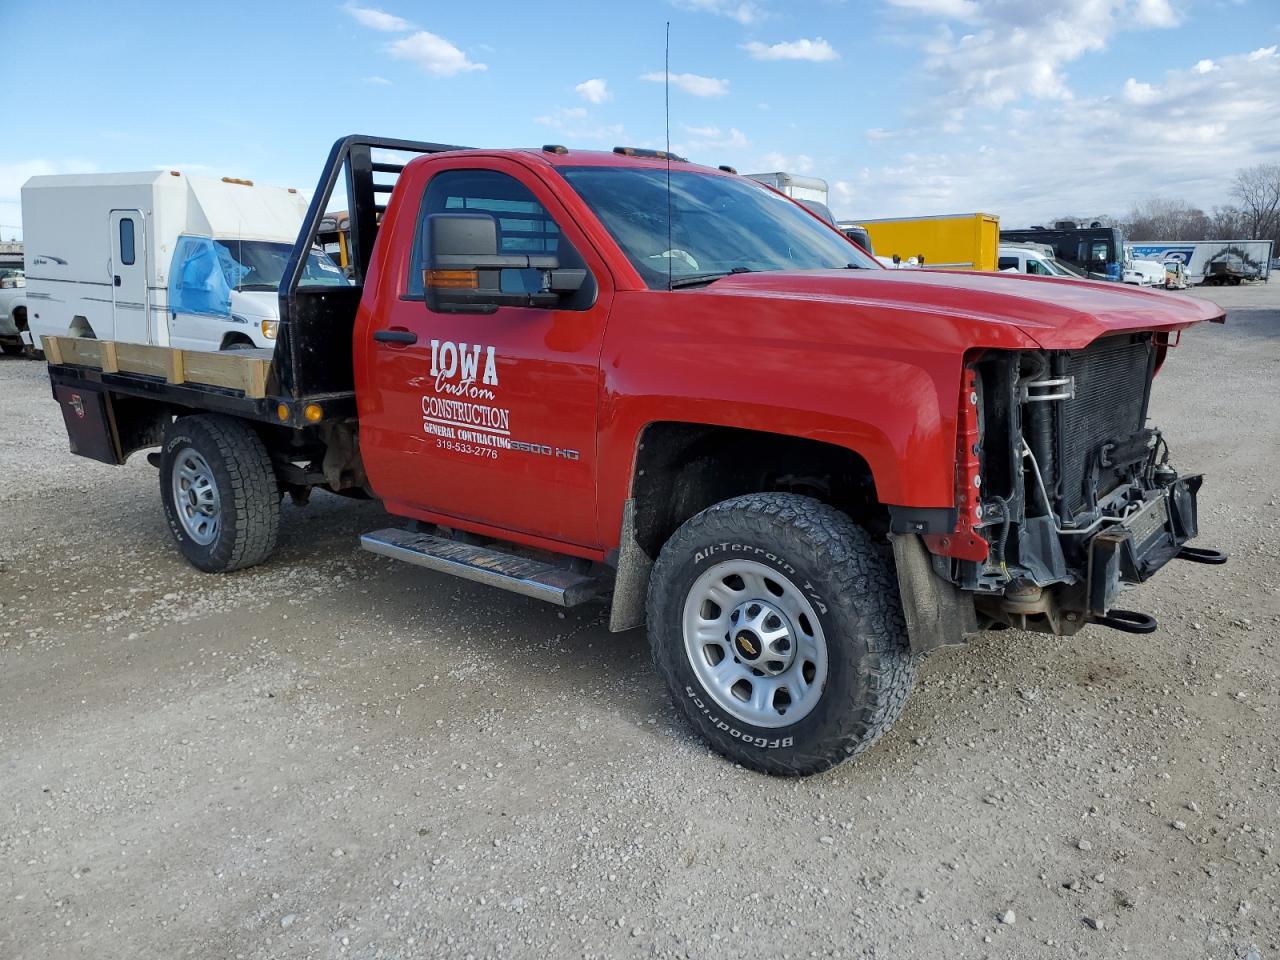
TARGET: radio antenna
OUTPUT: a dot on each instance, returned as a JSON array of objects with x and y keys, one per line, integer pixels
[{"x": 666, "y": 92}]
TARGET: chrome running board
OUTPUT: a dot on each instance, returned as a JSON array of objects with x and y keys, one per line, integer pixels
[{"x": 509, "y": 571}]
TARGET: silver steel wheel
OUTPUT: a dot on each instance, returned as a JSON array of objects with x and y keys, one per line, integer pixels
[
  {"x": 195, "y": 496},
  {"x": 755, "y": 642}
]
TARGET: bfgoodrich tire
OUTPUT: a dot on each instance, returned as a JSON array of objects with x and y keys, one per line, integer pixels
[
  {"x": 220, "y": 493},
  {"x": 776, "y": 624}
]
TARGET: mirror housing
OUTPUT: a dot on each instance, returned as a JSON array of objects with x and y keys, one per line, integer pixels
[{"x": 464, "y": 268}]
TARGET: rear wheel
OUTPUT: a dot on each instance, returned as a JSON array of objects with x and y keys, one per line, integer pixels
[
  {"x": 12, "y": 349},
  {"x": 220, "y": 493},
  {"x": 776, "y": 624}
]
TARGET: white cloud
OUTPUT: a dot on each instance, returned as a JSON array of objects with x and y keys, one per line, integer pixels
[
  {"x": 1263, "y": 53},
  {"x": 1141, "y": 93},
  {"x": 1183, "y": 135},
  {"x": 378, "y": 81},
  {"x": 703, "y": 140},
  {"x": 561, "y": 115},
  {"x": 576, "y": 126},
  {"x": 843, "y": 193},
  {"x": 1155, "y": 13},
  {"x": 1008, "y": 52},
  {"x": 745, "y": 12},
  {"x": 595, "y": 90},
  {"x": 434, "y": 54},
  {"x": 948, "y": 9},
  {"x": 376, "y": 19},
  {"x": 787, "y": 163},
  {"x": 692, "y": 83},
  {"x": 803, "y": 49},
  {"x": 1204, "y": 66}
]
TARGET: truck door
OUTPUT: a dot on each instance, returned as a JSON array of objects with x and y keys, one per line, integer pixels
[
  {"x": 128, "y": 276},
  {"x": 487, "y": 417}
]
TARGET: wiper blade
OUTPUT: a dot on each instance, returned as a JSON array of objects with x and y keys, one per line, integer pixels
[{"x": 696, "y": 279}]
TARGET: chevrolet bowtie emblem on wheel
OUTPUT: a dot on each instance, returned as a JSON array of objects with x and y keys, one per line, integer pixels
[
  {"x": 77, "y": 404},
  {"x": 746, "y": 644}
]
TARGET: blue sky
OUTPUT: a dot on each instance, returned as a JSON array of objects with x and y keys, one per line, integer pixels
[{"x": 904, "y": 106}]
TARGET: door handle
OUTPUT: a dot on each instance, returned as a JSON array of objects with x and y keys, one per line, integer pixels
[
  {"x": 395, "y": 336},
  {"x": 117, "y": 279}
]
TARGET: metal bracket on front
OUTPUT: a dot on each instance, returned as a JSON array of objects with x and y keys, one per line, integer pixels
[{"x": 1058, "y": 388}]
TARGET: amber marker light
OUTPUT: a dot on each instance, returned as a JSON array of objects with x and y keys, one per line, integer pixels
[
  {"x": 282, "y": 412},
  {"x": 452, "y": 279},
  {"x": 312, "y": 412}
]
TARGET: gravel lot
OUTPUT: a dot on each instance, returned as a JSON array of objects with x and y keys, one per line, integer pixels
[{"x": 333, "y": 755}]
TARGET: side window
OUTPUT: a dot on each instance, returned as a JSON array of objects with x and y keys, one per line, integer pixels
[
  {"x": 128, "y": 255},
  {"x": 1099, "y": 251},
  {"x": 1007, "y": 263},
  {"x": 524, "y": 226},
  {"x": 1034, "y": 266}
]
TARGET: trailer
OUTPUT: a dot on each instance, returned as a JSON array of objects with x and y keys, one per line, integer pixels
[
  {"x": 1211, "y": 262},
  {"x": 958, "y": 241}
]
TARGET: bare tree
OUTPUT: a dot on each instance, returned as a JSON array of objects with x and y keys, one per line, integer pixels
[
  {"x": 1258, "y": 190},
  {"x": 1227, "y": 223},
  {"x": 1162, "y": 218}
]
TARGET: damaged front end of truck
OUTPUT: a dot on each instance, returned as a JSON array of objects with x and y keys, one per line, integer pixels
[{"x": 1066, "y": 495}]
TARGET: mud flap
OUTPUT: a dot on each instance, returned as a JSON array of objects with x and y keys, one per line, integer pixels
[{"x": 938, "y": 613}]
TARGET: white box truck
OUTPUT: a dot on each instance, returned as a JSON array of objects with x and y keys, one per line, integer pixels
[
  {"x": 1213, "y": 262},
  {"x": 160, "y": 257}
]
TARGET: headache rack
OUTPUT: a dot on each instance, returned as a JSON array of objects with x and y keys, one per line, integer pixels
[
  {"x": 311, "y": 364},
  {"x": 313, "y": 346}
]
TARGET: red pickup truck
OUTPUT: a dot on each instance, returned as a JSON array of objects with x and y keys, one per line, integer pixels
[{"x": 621, "y": 376}]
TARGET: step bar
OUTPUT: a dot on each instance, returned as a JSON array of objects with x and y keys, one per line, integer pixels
[{"x": 508, "y": 571}]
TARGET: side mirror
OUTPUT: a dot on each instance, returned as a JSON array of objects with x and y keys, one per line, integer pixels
[{"x": 464, "y": 271}]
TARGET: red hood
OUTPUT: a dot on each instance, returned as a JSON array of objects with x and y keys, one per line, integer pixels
[{"x": 1057, "y": 314}]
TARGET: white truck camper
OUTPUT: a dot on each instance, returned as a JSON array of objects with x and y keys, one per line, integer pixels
[{"x": 160, "y": 257}]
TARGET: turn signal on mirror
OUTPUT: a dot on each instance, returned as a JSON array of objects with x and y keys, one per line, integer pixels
[{"x": 452, "y": 279}]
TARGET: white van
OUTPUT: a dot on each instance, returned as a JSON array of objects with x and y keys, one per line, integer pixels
[{"x": 160, "y": 257}]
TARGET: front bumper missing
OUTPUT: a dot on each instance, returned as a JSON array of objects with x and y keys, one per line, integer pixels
[{"x": 1131, "y": 551}]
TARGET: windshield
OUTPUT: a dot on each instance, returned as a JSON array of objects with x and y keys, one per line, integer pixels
[
  {"x": 719, "y": 225},
  {"x": 262, "y": 264}
]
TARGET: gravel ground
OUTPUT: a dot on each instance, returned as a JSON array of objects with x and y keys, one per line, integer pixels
[{"x": 333, "y": 755}]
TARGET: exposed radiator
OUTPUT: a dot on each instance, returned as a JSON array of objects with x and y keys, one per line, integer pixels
[{"x": 1112, "y": 387}]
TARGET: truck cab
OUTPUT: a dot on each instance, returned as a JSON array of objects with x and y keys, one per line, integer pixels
[{"x": 620, "y": 376}]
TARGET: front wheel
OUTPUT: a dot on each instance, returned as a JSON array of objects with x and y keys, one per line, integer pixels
[
  {"x": 220, "y": 493},
  {"x": 776, "y": 624}
]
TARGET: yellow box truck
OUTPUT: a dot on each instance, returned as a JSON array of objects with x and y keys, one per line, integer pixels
[{"x": 958, "y": 241}]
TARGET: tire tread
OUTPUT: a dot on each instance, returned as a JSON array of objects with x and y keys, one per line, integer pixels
[{"x": 865, "y": 586}]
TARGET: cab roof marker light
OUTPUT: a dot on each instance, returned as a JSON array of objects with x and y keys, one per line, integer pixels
[
  {"x": 648, "y": 154},
  {"x": 726, "y": 168},
  {"x": 242, "y": 182},
  {"x": 556, "y": 148}
]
